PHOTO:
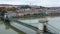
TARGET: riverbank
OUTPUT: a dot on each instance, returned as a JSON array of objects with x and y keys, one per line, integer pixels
[{"x": 26, "y": 18}]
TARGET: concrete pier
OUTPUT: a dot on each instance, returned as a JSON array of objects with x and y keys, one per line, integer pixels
[
  {"x": 42, "y": 27},
  {"x": 6, "y": 17}
]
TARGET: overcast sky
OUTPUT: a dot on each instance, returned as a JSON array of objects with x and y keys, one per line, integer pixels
[{"x": 46, "y": 3}]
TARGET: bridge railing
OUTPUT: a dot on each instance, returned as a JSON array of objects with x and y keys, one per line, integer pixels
[{"x": 53, "y": 29}]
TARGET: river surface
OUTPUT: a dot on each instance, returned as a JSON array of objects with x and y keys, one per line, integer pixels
[{"x": 15, "y": 28}]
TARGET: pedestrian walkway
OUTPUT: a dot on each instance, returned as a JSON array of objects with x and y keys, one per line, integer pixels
[
  {"x": 32, "y": 27},
  {"x": 27, "y": 25}
]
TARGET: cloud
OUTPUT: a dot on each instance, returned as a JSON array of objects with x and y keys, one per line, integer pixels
[
  {"x": 47, "y": 3},
  {"x": 51, "y": 3}
]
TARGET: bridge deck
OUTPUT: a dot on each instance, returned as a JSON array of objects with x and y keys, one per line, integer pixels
[{"x": 27, "y": 25}]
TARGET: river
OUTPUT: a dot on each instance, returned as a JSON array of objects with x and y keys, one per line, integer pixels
[{"x": 15, "y": 28}]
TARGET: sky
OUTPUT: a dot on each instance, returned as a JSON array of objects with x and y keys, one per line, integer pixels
[{"x": 46, "y": 3}]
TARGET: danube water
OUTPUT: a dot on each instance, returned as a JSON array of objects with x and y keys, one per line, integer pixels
[{"x": 15, "y": 28}]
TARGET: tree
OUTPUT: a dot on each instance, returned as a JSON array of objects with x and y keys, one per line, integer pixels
[
  {"x": 2, "y": 8},
  {"x": 12, "y": 8}
]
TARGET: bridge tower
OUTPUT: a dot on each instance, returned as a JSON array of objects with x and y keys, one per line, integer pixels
[{"x": 42, "y": 26}]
